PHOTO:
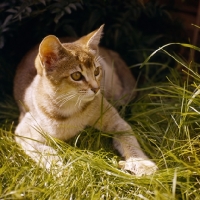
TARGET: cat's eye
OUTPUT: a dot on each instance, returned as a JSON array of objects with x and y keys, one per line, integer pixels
[
  {"x": 96, "y": 71},
  {"x": 76, "y": 76}
]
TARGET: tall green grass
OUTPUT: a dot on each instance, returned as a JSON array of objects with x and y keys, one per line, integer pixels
[{"x": 166, "y": 119}]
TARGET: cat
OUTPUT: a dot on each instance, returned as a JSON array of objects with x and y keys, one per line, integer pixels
[{"x": 58, "y": 90}]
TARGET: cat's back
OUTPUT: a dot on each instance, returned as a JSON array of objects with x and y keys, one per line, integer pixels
[
  {"x": 119, "y": 80},
  {"x": 25, "y": 74}
]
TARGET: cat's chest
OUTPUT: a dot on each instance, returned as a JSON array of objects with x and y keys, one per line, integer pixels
[
  {"x": 64, "y": 123},
  {"x": 66, "y": 128}
]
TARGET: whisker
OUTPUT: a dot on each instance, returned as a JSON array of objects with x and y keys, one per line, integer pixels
[
  {"x": 99, "y": 58},
  {"x": 79, "y": 105},
  {"x": 82, "y": 92},
  {"x": 78, "y": 100},
  {"x": 64, "y": 94},
  {"x": 66, "y": 99},
  {"x": 56, "y": 91}
]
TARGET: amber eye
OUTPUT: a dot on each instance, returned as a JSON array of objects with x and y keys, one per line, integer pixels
[
  {"x": 96, "y": 71},
  {"x": 76, "y": 76}
]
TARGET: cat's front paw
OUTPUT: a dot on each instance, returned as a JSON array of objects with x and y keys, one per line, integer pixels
[{"x": 139, "y": 166}]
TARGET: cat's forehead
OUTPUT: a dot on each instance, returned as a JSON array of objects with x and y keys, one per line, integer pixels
[
  {"x": 86, "y": 59},
  {"x": 82, "y": 56}
]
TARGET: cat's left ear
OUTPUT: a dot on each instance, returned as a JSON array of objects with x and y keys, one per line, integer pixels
[
  {"x": 93, "y": 40},
  {"x": 49, "y": 51}
]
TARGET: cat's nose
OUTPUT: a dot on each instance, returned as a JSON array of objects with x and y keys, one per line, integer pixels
[
  {"x": 94, "y": 86},
  {"x": 95, "y": 90}
]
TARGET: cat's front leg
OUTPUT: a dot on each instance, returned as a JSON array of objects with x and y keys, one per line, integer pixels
[
  {"x": 44, "y": 155},
  {"x": 135, "y": 160},
  {"x": 125, "y": 142},
  {"x": 35, "y": 145}
]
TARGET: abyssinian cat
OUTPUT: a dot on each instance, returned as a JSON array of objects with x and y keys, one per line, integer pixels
[{"x": 57, "y": 87}]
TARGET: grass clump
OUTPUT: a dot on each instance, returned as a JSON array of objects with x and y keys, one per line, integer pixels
[{"x": 165, "y": 118}]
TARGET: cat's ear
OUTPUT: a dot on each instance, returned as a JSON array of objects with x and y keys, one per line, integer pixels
[
  {"x": 92, "y": 40},
  {"x": 49, "y": 50}
]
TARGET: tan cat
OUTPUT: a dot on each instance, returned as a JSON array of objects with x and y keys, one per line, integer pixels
[{"x": 58, "y": 93}]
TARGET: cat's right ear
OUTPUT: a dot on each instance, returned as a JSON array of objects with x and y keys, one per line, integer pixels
[
  {"x": 91, "y": 40},
  {"x": 94, "y": 39},
  {"x": 49, "y": 51}
]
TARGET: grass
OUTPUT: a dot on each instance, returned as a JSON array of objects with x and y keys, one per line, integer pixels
[{"x": 165, "y": 118}]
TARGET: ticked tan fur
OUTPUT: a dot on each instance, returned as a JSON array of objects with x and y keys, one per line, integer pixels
[{"x": 53, "y": 100}]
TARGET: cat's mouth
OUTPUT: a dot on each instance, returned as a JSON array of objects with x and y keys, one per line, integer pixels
[
  {"x": 97, "y": 92},
  {"x": 88, "y": 96}
]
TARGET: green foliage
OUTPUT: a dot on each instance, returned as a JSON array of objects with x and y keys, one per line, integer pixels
[{"x": 13, "y": 12}]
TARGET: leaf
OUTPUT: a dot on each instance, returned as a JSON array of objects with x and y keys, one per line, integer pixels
[
  {"x": 1, "y": 42},
  {"x": 68, "y": 9},
  {"x": 8, "y": 18},
  {"x": 72, "y": 5},
  {"x": 4, "y": 4},
  {"x": 58, "y": 16},
  {"x": 5, "y": 29},
  {"x": 69, "y": 30},
  {"x": 43, "y": 2},
  {"x": 11, "y": 10},
  {"x": 28, "y": 9}
]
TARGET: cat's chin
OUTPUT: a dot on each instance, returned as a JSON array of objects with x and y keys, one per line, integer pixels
[{"x": 90, "y": 97}]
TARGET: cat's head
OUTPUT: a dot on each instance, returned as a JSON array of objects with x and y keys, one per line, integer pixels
[{"x": 72, "y": 69}]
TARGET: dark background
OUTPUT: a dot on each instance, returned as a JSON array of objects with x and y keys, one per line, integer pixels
[{"x": 133, "y": 28}]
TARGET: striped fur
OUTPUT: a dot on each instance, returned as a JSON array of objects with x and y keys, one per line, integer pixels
[{"x": 57, "y": 87}]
